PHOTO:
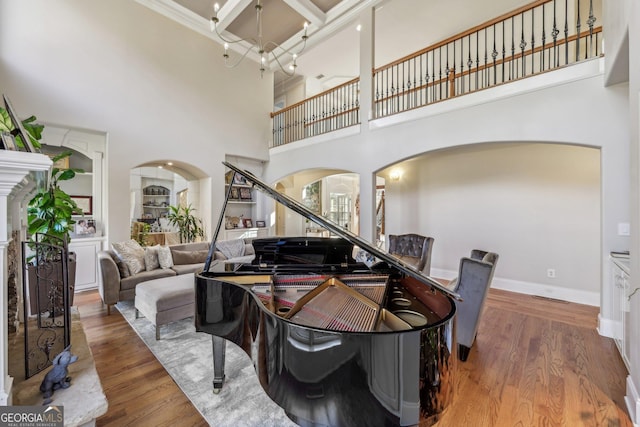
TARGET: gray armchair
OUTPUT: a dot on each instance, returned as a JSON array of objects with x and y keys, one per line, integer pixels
[
  {"x": 413, "y": 249},
  {"x": 473, "y": 282}
]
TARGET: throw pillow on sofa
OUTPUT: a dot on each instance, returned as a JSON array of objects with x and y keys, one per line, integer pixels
[
  {"x": 189, "y": 257},
  {"x": 132, "y": 254},
  {"x": 151, "y": 260},
  {"x": 164, "y": 257}
]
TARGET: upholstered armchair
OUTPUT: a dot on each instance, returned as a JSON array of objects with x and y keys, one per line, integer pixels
[
  {"x": 413, "y": 249},
  {"x": 474, "y": 279}
]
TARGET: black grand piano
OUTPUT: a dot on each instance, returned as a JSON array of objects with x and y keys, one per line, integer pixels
[{"x": 334, "y": 341}]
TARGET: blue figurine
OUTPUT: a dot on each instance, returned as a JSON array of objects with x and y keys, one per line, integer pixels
[{"x": 57, "y": 377}]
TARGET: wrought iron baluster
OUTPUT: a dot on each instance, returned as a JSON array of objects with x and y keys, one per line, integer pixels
[
  {"x": 512, "y": 66},
  {"x": 462, "y": 66},
  {"x": 590, "y": 22},
  {"x": 469, "y": 62},
  {"x": 485, "y": 75},
  {"x": 422, "y": 57},
  {"x": 386, "y": 102},
  {"x": 504, "y": 52},
  {"x": 523, "y": 44},
  {"x": 544, "y": 39},
  {"x": 415, "y": 92},
  {"x": 494, "y": 55},
  {"x": 477, "y": 60},
  {"x": 533, "y": 40},
  {"x": 554, "y": 35},
  {"x": 578, "y": 25},
  {"x": 446, "y": 71},
  {"x": 440, "y": 73},
  {"x": 452, "y": 90},
  {"x": 396, "y": 84},
  {"x": 566, "y": 32},
  {"x": 430, "y": 77}
]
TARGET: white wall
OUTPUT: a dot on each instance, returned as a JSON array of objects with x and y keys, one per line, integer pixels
[
  {"x": 154, "y": 86},
  {"x": 631, "y": 10},
  {"x": 536, "y": 205}
]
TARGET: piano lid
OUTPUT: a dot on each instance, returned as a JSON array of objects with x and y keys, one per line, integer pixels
[{"x": 299, "y": 208}]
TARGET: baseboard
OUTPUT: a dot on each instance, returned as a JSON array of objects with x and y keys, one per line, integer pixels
[
  {"x": 529, "y": 288},
  {"x": 607, "y": 327},
  {"x": 632, "y": 399}
]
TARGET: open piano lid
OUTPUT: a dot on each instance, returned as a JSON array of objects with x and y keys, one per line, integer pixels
[{"x": 333, "y": 228}]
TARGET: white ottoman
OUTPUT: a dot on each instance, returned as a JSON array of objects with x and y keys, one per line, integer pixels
[{"x": 166, "y": 300}]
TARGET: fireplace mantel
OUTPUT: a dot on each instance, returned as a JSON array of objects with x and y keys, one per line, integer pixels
[{"x": 19, "y": 172}]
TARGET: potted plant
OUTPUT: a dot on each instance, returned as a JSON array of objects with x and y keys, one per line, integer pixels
[
  {"x": 50, "y": 221},
  {"x": 189, "y": 226}
]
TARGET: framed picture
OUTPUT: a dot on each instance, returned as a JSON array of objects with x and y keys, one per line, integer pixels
[
  {"x": 239, "y": 179},
  {"x": 247, "y": 223},
  {"x": 28, "y": 146},
  {"x": 85, "y": 203},
  {"x": 260, "y": 224},
  {"x": 245, "y": 193},
  {"x": 235, "y": 193},
  {"x": 85, "y": 227},
  {"x": 8, "y": 143}
]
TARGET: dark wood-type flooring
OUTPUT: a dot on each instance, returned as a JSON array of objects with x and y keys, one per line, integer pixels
[{"x": 536, "y": 362}]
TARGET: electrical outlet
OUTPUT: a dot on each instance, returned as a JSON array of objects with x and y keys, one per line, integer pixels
[{"x": 551, "y": 273}]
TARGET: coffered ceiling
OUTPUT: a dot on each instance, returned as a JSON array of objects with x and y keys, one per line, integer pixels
[{"x": 283, "y": 20}]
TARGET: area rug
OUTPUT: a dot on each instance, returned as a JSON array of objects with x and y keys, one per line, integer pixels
[{"x": 187, "y": 356}]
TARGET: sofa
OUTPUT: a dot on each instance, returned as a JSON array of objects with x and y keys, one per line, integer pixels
[
  {"x": 236, "y": 250},
  {"x": 118, "y": 284}
]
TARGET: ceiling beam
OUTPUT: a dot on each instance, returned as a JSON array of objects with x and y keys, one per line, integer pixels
[
  {"x": 230, "y": 11},
  {"x": 309, "y": 10}
]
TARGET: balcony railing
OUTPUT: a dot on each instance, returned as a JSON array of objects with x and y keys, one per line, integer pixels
[
  {"x": 334, "y": 109},
  {"x": 536, "y": 38}
]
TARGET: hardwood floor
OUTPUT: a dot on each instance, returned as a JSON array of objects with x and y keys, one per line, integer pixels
[
  {"x": 536, "y": 362},
  {"x": 139, "y": 390}
]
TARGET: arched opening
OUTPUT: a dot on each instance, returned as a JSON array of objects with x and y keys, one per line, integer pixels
[
  {"x": 536, "y": 204},
  {"x": 331, "y": 194},
  {"x": 156, "y": 188}
]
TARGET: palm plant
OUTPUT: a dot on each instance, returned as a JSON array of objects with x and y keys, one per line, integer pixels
[{"x": 189, "y": 226}]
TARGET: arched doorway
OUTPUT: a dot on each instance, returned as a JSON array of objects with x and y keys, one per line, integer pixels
[{"x": 155, "y": 187}]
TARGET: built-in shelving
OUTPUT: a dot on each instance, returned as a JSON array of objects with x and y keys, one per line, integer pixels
[{"x": 156, "y": 200}]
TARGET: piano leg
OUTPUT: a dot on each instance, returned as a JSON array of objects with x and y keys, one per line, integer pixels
[{"x": 219, "y": 346}]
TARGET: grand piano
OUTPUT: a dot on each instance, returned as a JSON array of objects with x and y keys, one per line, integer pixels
[{"x": 334, "y": 341}]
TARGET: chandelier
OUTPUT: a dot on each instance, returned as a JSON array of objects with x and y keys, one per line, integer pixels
[{"x": 258, "y": 45}]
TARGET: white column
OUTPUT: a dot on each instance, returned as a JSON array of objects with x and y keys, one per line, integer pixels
[
  {"x": 16, "y": 171},
  {"x": 367, "y": 181}
]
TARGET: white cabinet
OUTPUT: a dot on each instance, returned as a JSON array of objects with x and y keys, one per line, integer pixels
[
  {"x": 86, "y": 250},
  {"x": 620, "y": 305}
]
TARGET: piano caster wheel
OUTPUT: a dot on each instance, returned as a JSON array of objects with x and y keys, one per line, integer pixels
[{"x": 217, "y": 385}]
